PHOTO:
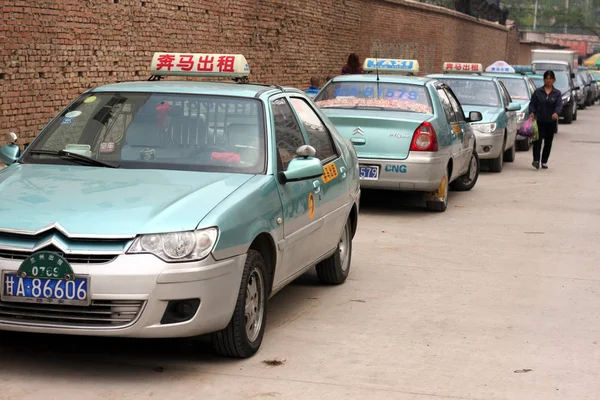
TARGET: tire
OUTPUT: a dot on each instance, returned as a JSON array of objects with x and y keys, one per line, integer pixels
[
  {"x": 467, "y": 181},
  {"x": 523, "y": 145},
  {"x": 335, "y": 269},
  {"x": 509, "y": 155},
  {"x": 575, "y": 115},
  {"x": 440, "y": 206},
  {"x": 237, "y": 339},
  {"x": 569, "y": 116},
  {"x": 497, "y": 163}
]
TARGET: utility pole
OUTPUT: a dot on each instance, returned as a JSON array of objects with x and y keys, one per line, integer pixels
[
  {"x": 535, "y": 15},
  {"x": 567, "y": 9}
]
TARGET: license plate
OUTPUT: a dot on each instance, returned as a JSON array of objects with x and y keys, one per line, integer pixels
[
  {"x": 45, "y": 277},
  {"x": 369, "y": 172},
  {"x": 46, "y": 291}
]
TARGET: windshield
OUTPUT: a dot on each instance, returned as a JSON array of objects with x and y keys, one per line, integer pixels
[
  {"x": 562, "y": 80},
  {"x": 158, "y": 131},
  {"x": 596, "y": 75},
  {"x": 370, "y": 95},
  {"x": 517, "y": 88},
  {"x": 474, "y": 92},
  {"x": 545, "y": 66},
  {"x": 538, "y": 80}
]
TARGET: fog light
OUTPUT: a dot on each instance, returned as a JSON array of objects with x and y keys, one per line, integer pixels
[
  {"x": 486, "y": 149},
  {"x": 180, "y": 311}
]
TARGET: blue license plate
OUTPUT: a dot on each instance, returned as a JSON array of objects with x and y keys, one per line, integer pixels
[
  {"x": 369, "y": 172},
  {"x": 45, "y": 291}
]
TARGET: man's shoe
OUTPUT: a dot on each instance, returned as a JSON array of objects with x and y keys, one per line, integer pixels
[
  {"x": 536, "y": 164},
  {"x": 544, "y": 165}
]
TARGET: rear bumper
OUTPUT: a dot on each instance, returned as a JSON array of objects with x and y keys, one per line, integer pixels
[{"x": 418, "y": 172}]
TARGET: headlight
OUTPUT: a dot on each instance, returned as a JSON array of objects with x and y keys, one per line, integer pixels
[
  {"x": 485, "y": 128},
  {"x": 566, "y": 98},
  {"x": 520, "y": 116},
  {"x": 176, "y": 246}
]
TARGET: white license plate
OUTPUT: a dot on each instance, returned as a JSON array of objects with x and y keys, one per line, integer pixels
[
  {"x": 369, "y": 172},
  {"x": 45, "y": 291}
]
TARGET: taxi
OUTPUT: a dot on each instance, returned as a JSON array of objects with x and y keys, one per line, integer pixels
[
  {"x": 521, "y": 88},
  {"x": 496, "y": 134},
  {"x": 410, "y": 133},
  {"x": 174, "y": 208}
]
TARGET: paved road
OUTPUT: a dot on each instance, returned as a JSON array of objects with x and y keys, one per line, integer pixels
[{"x": 498, "y": 298}]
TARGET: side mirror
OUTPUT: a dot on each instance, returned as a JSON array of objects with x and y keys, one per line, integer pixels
[
  {"x": 513, "y": 107},
  {"x": 300, "y": 169},
  {"x": 475, "y": 116},
  {"x": 10, "y": 153}
]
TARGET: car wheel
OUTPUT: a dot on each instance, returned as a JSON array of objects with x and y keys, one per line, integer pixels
[
  {"x": 569, "y": 116},
  {"x": 509, "y": 155},
  {"x": 497, "y": 163},
  {"x": 575, "y": 115},
  {"x": 244, "y": 334},
  {"x": 523, "y": 145},
  {"x": 436, "y": 205},
  {"x": 467, "y": 181},
  {"x": 335, "y": 269}
]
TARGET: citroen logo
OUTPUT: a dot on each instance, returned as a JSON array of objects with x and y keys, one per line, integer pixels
[{"x": 358, "y": 131}]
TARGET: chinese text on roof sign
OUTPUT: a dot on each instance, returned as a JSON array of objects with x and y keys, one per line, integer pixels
[
  {"x": 500, "y": 66},
  {"x": 194, "y": 64},
  {"x": 462, "y": 67},
  {"x": 387, "y": 65}
]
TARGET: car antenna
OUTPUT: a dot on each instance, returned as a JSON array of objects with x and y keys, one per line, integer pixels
[{"x": 377, "y": 72}]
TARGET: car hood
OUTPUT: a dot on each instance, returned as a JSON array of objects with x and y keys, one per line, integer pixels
[
  {"x": 108, "y": 202},
  {"x": 489, "y": 114}
]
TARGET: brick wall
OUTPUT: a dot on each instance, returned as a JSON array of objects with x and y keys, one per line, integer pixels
[{"x": 52, "y": 50}]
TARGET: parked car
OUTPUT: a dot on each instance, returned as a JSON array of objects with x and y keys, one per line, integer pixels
[
  {"x": 174, "y": 208},
  {"x": 567, "y": 87},
  {"x": 590, "y": 82},
  {"x": 582, "y": 94},
  {"x": 496, "y": 133},
  {"x": 520, "y": 87},
  {"x": 410, "y": 133}
]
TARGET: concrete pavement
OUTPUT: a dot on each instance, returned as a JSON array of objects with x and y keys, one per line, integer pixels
[{"x": 497, "y": 298}]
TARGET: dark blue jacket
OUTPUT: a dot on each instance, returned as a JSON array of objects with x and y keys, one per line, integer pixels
[{"x": 543, "y": 106}]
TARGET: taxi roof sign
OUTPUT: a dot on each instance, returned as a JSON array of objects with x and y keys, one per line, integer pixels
[
  {"x": 500, "y": 66},
  {"x": 388, "y": 65},
  {"x": 522, "y": 69},
  {"x": 460, "y": 67},
  {"x": 199, "y": 64}
]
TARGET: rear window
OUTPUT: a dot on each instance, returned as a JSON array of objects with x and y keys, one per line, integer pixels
[
  {"x": 474, "y": 92},
  {"x": 378, "y": 96},
  {"x": 516, "y": 88}
]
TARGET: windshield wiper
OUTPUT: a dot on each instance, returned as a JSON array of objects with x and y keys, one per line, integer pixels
[{"x": 75, "y": 157}]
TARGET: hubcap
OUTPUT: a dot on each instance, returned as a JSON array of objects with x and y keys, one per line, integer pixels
[
  {"x": 255, "y": 305},
  {"x": 472, "y": 168},
  {"x": 343, "y": 248}
]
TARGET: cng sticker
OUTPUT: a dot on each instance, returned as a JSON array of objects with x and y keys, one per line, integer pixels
[
  {"x": 311, "y": 206},
  {"x": 330, "y": 172}
]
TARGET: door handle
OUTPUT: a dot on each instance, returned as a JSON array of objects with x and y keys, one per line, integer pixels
[
  {"x": 343, "y": 172},
  {"x": 357, "y": 141},
  {"x": 317, "y": 186}
]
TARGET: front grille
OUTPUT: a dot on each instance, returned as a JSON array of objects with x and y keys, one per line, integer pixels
[
  {"x": 100, "y": 314},
  {"x": 71, "y": 258}
]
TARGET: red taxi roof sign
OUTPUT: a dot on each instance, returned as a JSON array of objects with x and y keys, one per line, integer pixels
[
  {"x": 388, "y": 65},
  {"x": 199, "y": 64},
  {"x": 462, "y": 67}
]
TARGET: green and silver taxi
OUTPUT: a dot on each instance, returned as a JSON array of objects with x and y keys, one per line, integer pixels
[
  {"x": 410, "y": 133},
  {"x": 174, "y": 208},
  {"x": 496, "y": 133},
  {"x": 520, "y": 88}
]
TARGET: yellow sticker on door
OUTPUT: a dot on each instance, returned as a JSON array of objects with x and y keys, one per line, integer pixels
[
  {"x": 330, "y": 172},
  {"x": 311, "y": 206},
  {"x": 456, "y": 128}
]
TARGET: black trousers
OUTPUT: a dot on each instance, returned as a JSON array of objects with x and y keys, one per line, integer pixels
[{"x": 546, "y": 134}]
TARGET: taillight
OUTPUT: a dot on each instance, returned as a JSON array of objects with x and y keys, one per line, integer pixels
[{"x": 424, "y": 138}]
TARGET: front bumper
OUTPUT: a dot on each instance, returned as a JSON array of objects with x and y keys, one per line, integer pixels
[
  {"x": 418, "y": 172},
  {"x": 489, "y": 145},
  {"x": 152, "y": 283}
]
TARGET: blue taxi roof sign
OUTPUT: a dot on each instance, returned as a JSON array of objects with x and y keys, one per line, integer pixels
[
  {"x": 500, "y": 66},
  {"x": 523, "y": 69},
  {"x": 461, "y": 67},
  {"x": 388, "y": 65},
  {"x": 199, "y": 64}
]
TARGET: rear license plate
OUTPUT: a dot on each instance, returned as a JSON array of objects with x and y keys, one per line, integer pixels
[
  {"x": 369, "y": 172},
  {"x": 46, "y": 291}
]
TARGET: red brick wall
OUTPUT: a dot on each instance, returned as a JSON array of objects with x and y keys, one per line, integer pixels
[{"x": 52, "y": 50}]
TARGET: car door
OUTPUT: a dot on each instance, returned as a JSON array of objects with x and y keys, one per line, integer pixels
[
  {"x": 466, "y": 129},
  {"x": 301, "y": 212},
  {"x": 332, "y": 187},
  {"x": 453, "y": 136},
  {"x": 511, "y": 117}
]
